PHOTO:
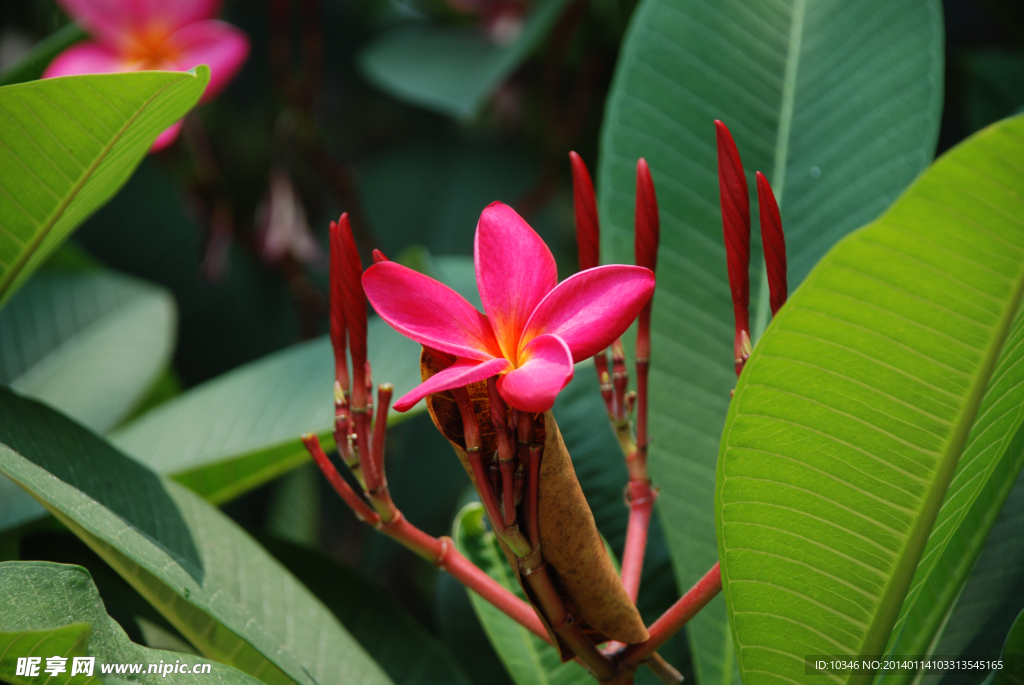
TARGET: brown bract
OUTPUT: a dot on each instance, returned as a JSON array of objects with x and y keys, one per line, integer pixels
[{"x": 572, "y": 546}]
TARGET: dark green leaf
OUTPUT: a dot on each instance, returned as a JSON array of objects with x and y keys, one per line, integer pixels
[
  {"x": 994, "y": 592},
  {"x": 403, "y": 648},
  {"x": 68, "y": 144},
  {"x": 451, "y": 69},
  {"x": 1013, "y": 655},
  {"x": 993, "y": 83}
]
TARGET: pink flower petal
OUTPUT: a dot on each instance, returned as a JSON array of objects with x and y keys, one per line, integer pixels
[
  {"x": 116, "y": 22},
  {"x": 429, "y": 312},
  {"x": 84, "y": 58},
  {"x": 514, "y": 271},
  {"x": 546, "y": 368},
  {"x": 178, "y": 13},
  {"x": 166, "y": 138},
  {"x": 462, "y": 372},
  {"x": 216, "y": 44},
  {"x": 589, "y": 310}
]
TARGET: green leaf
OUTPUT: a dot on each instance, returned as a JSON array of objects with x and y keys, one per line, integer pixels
[
  {"x": 839, "y": 106},
  {"x": 403, "y": 648},
  {"x": 204, "y": 574},
  {"x": 451, "y": 69},
  {"x": 88, "y": 343},
  {"x": 527, "y": 658},
  {"x": 67, "y": 641},
  {"x": 851, "y": 417},
  {"x": 55, "y": 610},
  {"x": 42, "y": 53},
  {"x": 68, "y": 144},
  {"x": 1013, "y": 655},
  {"x": 988, "y": 469},
  {"x": 241, "y": 429},
  {"x": 994, "y": 592}
]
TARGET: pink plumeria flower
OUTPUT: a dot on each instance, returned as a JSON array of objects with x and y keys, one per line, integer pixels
[
  {"x": 535, "y": 328},
  {"x": 138, "y": 35}
]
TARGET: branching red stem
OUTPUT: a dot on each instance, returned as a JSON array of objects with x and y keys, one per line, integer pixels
[{"x": 676, "y": 617}]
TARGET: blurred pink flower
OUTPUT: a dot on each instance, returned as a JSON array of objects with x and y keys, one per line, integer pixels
[
  {"x": 136, "y": 35},
  {"x": 535, "y": 328}
]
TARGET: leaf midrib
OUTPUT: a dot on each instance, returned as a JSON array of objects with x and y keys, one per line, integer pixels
[
  {"x": 891, "y": 600},
  {"x": 87, "y": 174},
  {"x": 796, "y": 36}
]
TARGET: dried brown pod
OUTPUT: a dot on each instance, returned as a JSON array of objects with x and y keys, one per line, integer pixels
[{"x": 571, "y": 544}]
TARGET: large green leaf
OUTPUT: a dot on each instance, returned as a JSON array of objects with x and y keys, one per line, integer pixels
[
  {"x": 403, "y": 648},
  {"x": 67, "y": 145},
  {"x": 88, "y": 343},
  {"x": 207, "y": 577},
  {"x": 986, "y": 474},
  {"x": 838, "y": 104},
  {"x": 527, "y": 658},
  {"x": 994, "y": 592},
  {"x": 242, "y": 429},
  {"x": 850, "y": 419},
  {"x": 55, "y": 610},
  {"x": 451, "y": 69}
]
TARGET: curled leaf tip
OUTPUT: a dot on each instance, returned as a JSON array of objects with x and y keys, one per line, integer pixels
[{"x": 774, "y": 242}]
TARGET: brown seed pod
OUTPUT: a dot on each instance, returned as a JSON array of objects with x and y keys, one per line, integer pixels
[{"x": 572, "y": 546}]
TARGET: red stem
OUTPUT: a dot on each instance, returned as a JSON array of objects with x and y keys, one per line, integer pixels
[
  {"x": 354, "y": 501},
  {"x": 441, "y": 552},
  {"x": 676, "y": 617},
  {"x": 641, "y": 505},
  {"x": 384, "y": 393},
  {"x": 463, "y": 570}
]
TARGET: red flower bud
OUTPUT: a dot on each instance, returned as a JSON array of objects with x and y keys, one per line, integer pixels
[
  {"x": 735, "y": 201},
  {"x": 588, "y": 236},
  {"x": 774, "y": 243},
  {"x": 648, "y": 225},
  {"x": 337, "y": 297},
  {"x": 379, "y": 257},
  {"x": 355, "y": 307},
  {"x": 647, "y": 233}
]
